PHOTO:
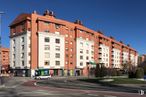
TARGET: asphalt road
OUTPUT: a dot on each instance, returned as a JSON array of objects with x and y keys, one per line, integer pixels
[
  {"x": 77, "y": 84},
  {"x": 24, "y": 87}
]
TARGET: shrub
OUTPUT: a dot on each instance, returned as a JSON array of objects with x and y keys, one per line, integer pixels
[
  {"x": 103, "y": 71},
  {"x": 131, "y": 74},
  {"x": 100, "y": 70},
  {"x": 139, "y": 73},
  {"x": 119, "y": 73},
  {"x": 97, "y": 71},
  {"x": 113, "y": 72},
  {"x": 144, "y": 68}
]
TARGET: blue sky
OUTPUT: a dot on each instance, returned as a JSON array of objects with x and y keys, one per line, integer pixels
[{"x": 123, "y": 19}]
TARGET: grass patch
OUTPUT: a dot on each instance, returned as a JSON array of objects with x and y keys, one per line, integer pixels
[
  {"x": 115, "y": 81},
  {"x": 127, "y": 81}
]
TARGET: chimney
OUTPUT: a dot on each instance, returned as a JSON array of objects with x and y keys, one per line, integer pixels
[
  {"x": 51, "y": 13},
  {"x": 78, "y": 22},
  {"x": 46, "y": 13},
  {"x": 128, "y": 45},
  {"x": 99, "y": 32},
  {"x": 121, "y": 41},
  {"x": 34, "y": 12},
  {"x": 111, "y": 37}
]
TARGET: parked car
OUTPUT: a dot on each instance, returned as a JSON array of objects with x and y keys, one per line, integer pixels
[{"x": 43, "y": 77}]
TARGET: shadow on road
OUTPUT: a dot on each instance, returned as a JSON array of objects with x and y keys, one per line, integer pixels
[{"x": 88, "y": 84}]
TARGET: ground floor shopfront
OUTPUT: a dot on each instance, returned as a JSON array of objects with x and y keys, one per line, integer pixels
[
  {"x": 65, "y": 72},
  {"x": 20, "y": 72},
  {"x": 52, "y": 72},
  {"x": 58, "y": 72}
]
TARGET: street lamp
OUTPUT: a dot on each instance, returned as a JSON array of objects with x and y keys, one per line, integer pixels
[{"x": 0, "y": 44}]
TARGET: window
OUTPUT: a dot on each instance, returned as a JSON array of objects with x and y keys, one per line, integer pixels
[
  {"x": 81, "y": 43},
  {"x": 29, "y": 54},
  {"x": 47, "y": 47},
  {"x": 23, "y": 27},
  {"x": 47, "y": 62},
  {"x": 14, "y": 56},
  {"x": 92, "y": 46},
  {"x": 66, "y": 35},
  {"x": 81, "y": 63},
  {"x": 22, "y": 47},
  {"x": 92, "y": 58},
  {"x": 71, "y": 56},
  {"x": 57, "y": 33},
  {"x": 57, "y": 48},
  {"x": 106, "y": 55},
  {"x": 46, "y": 23},
  {"x": 22, "y": 55},
  {"x": 29, "y": 62},
  {"x": 57, "y": 62},
  {"x": 47, "y": 55},
  {"x": 67, "y": 55},
  {"x": 57, "y": 55},
  {"x": 87, "y": 44},
  {"x": 13, "y": 41},
  {"x": 57, "y": 41},
  {"x": 46, "y": 31},
  {"x": 66, "y": 42},
  {"x": 22, "y": 62},
  {"x": 87, "y": 51},
  {"x": 57, "y": 26},
  {"x": 81, "y": 57},
  {"x": 81, "y": 50},
  {"x": 14, "y": 49},
  {"x": 66, "y": 49},
  {"x": 47, "y": 39},
  {"x": 14, "y": 63},
  {"x": 71, "y": 49},
  {"x": 106, "y": 60},
  {"x": 66, "y": 62},
  {"x": 81, "y": 31},
  {"x": 92, "y": 52},
  {"x": 71, "y": 42},
  {"x": 87, "y": 58},
  {"x": 22, "y": 39},
  {"x": 14, "y": 33}
]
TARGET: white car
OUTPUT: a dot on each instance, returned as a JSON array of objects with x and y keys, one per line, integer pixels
[{"x": 43, "y": 77}]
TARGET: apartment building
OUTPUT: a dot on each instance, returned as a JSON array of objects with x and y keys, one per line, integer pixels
[
  {"x": 45, "y": 44},
  {"x": 4, "y": 61}
]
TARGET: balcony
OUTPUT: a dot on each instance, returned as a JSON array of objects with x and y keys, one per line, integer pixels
[{"x": 100, "y": 48}]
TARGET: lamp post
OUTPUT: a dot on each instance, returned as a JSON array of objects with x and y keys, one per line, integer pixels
[{"x": 0, "y": 46}]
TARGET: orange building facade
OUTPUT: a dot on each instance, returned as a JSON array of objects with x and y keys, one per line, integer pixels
[
  {"x": 58, "y": 47},
  {"x": 5, "y": 59}
]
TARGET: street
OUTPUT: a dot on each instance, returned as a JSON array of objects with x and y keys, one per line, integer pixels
[{"x": 25, "y": 87}]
